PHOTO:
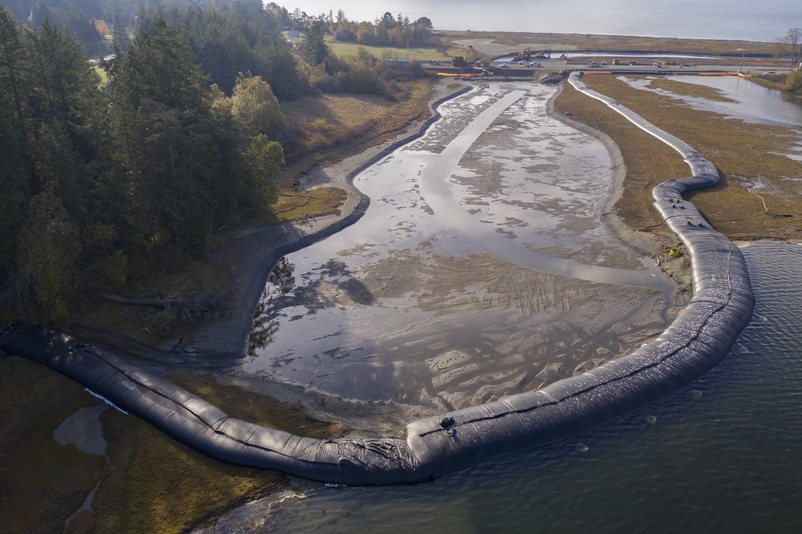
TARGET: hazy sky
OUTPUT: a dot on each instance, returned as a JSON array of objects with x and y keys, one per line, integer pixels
[{"x": 764, "y": 20}]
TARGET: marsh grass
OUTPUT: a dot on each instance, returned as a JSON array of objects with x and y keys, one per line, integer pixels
[
  {"x": 620, "y": 42},
  {"x": 294, "y": 205},
  {"x": 750, "y": 157},
  {"x": 689, "y": 89},
  {"x": 162, "y": 486}
]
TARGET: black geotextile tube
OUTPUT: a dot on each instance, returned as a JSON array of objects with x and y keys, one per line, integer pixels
[{"x": 699, "y": 338}]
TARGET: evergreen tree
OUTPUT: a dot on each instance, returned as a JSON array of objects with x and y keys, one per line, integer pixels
[
  {"x": 72, "y": 120},
  {"x": 314, "y": 47},
  {"x": 84, "y": 204},
  {"x": 16, "y": 170},
  {"x": 163, "y": 106},
  {"x": 220, "y": 40},
  {"x": 277, "y": 66},
  {"x": 187, "y": 161},
  {"x": 119, "y": 35},
  {"x": 160, "y": 67}
]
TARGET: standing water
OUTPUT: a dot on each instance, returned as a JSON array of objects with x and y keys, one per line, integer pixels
[{"x": 740, "y": 99}]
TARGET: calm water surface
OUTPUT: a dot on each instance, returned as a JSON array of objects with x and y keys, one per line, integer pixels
[{"x": 745, "y": 100}]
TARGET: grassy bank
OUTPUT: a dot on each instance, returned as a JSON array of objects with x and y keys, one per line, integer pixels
[
  {"x": 148, "y": 483},
  {"x": 335, "y": 126},
  {"x": 750, "y": 158},
  {"x": 617, "y": 42},
  {"x": 395, "y": 53}
]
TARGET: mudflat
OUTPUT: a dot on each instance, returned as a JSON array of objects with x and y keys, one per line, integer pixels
[{"x": 512, "y": 327}]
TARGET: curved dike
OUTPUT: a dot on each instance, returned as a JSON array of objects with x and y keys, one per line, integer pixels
[{"x": 695, "y": 342}]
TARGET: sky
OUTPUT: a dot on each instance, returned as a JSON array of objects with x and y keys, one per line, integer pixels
[{"x": 764, "y": 20}]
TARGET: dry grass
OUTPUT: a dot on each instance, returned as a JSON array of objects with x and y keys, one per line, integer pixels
[
  {"x": 149, "y": 483},
  {"x": 189, "y": 485},
  {"x": 617, "y": 42},
  {"x": 393, "y": 53},
  {"x": 749, "y": 157},
  {"x": 332, "y": 116},
  {"x": 335, "y": 126}
]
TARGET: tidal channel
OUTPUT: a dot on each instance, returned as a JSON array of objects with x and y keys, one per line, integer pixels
[{"x": 480, "y": 269}]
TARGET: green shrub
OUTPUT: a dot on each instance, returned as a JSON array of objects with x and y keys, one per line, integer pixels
[{"x": 794, "y": 82}]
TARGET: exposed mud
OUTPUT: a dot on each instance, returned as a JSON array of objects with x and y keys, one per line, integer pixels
[{"x": 408, "y": 313}]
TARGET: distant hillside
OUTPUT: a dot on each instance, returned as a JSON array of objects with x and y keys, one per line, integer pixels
[{"x": 91, "y": 20}]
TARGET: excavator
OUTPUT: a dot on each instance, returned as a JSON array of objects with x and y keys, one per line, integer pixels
[{"x": 526, "y": 53}]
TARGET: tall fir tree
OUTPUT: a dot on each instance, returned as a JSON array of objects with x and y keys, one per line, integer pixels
[
  {"x": 314, "y": 47},
  {"x": 17, "y": 173}
]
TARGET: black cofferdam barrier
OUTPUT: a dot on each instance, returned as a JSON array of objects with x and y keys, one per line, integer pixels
[{"x": 699, "y": 338}]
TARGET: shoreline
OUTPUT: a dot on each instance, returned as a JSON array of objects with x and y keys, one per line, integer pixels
[
  {"x": 252, "y": 270},
  {"x": 678, "y": 271},
  {"x": 249, "y": 271}
]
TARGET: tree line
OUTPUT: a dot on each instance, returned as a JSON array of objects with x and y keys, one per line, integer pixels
[
  {"x": 790, "y": 47},
  {"x": 387, "y": 30},
  {"x": 101, "y": 183}
]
